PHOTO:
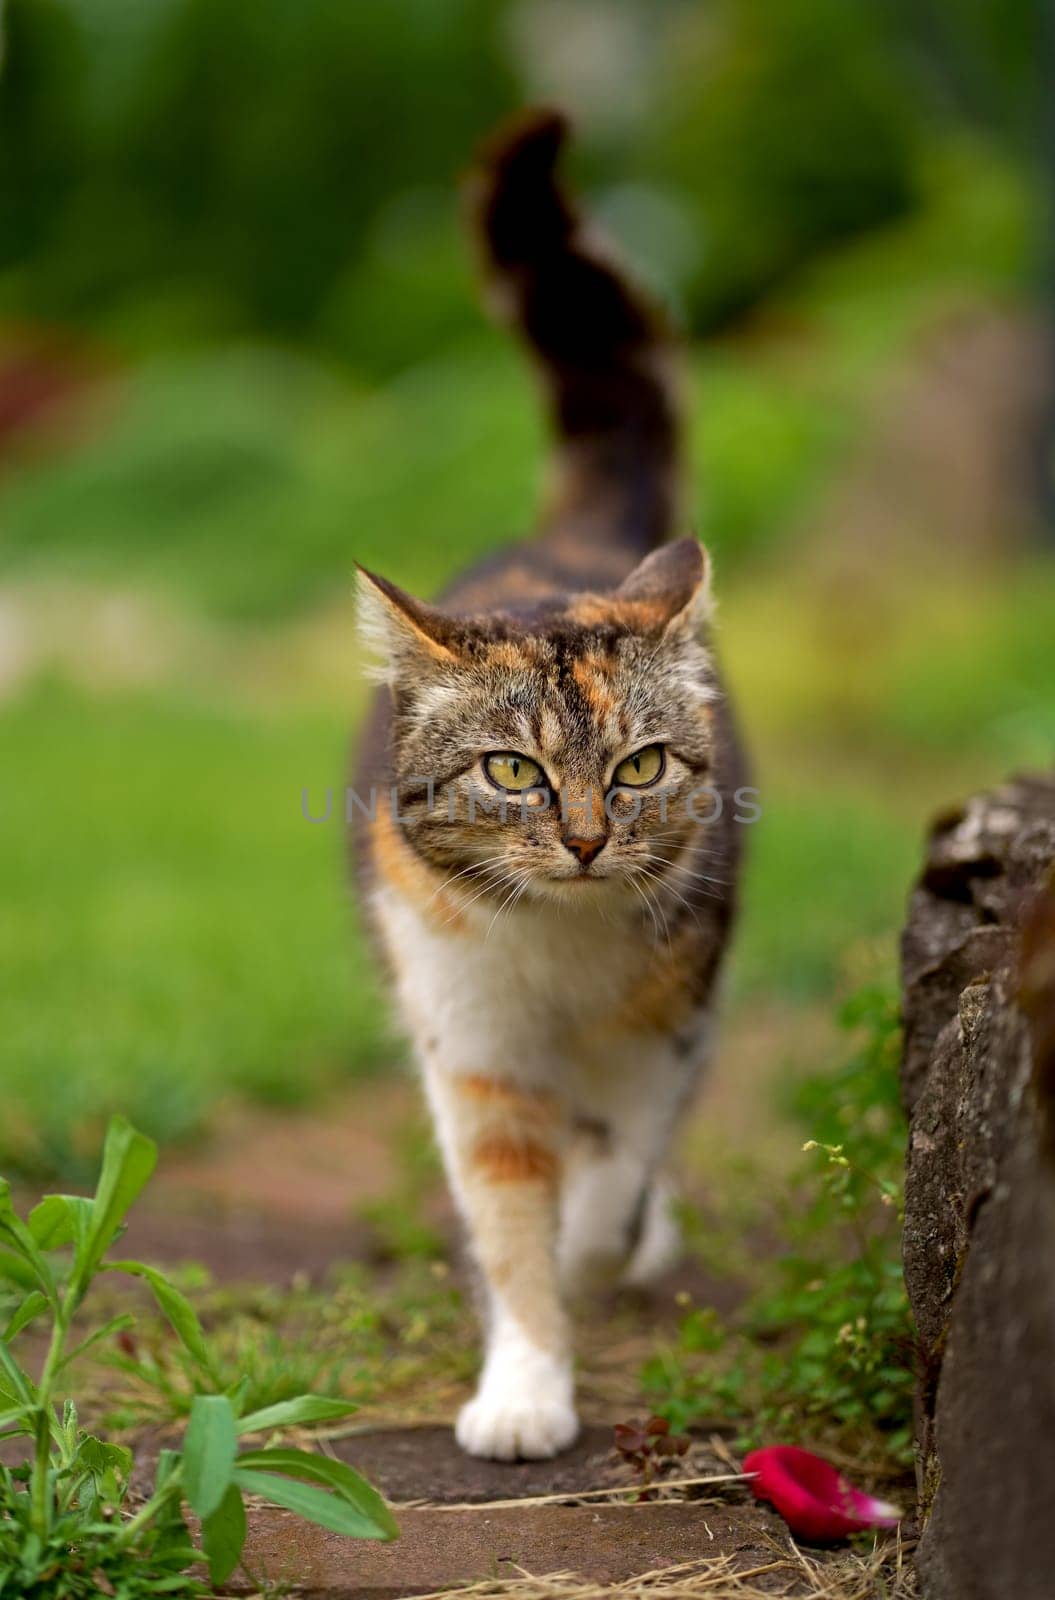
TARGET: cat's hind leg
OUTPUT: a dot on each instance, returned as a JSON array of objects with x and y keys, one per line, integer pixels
[
  {"x": 617, "y": 1215},
  {"x": 618, "y": 1223},
  {"x": 660, "y": 1242}
]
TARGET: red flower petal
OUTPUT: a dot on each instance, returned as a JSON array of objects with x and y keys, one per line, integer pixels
[{"x": 814, "y": 1500}]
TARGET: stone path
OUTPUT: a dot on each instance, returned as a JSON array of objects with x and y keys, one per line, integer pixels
[
  {"x": 469, "y": 1530},
  {"x": 438, "y": 1550}
]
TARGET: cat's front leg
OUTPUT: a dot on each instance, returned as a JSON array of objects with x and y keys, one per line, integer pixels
[{"x": 503, "y": 1146}]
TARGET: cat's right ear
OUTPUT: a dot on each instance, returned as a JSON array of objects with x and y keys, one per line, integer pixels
[{"x": 406, "y": 633}]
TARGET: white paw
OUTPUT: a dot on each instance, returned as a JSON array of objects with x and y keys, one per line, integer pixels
[{"x": 516, "y": 1429}]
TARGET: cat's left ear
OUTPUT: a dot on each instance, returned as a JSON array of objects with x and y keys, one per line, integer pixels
[
  {"x": 406, "y": 633},
  {"x": 671, "y": 589}
]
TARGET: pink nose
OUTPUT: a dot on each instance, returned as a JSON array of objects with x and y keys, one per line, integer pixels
[{"x": 585, "y": 849}]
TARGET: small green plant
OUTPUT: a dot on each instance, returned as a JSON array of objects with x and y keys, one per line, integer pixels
[
  {"x": 66, "y": 1532},
  {"x": 826, "y": 1348},
  {"x": 404, "y": 1340},
  {"x": 252, "y": 1344}
]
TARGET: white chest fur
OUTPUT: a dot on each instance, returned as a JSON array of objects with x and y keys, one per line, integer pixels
[{"x": 534, "y": 974}]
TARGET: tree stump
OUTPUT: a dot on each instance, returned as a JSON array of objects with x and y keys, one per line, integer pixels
[{"x": 978, "y": 1080}]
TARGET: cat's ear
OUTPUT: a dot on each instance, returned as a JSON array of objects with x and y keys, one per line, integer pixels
[
  {"x": 406, "y": 633},
  {"x": 671, "y": 589}
]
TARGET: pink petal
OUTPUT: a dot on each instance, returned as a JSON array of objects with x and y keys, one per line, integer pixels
[{"x": 814, "y": 1500}]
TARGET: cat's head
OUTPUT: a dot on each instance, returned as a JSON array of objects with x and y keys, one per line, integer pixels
[{"x": 555, "y": 753}]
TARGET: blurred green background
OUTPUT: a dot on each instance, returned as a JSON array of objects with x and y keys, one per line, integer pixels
[{"x": 240, "y": 347}]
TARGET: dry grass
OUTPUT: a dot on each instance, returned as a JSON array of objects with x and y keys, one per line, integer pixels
[
  {"x": 662, "y": 1489},
  {"x": 883, "y": 1573}
]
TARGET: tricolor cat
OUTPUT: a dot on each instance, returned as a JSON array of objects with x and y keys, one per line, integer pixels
[{"x": 553, "y": 890}]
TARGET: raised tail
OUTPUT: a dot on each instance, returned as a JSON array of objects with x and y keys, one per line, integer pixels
[{"x": 606, "y": 355}]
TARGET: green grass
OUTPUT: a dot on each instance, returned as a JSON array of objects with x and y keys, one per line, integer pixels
[
  {"x": 249, "y": 481},
  {"x": 826, "y": 879},
  {"x": 376, "y": 1340},
  {"x": 981, "y": 674},
  {"x": 174, "y": 930}
]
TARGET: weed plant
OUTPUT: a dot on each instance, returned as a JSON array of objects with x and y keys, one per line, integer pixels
[{"x": 69, "y": 1525}]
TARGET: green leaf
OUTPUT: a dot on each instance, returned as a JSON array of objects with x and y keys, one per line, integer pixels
[
  {"x": 13, "y": 1381},
  {"x": 15, "y": 1269},
  {"x": 236, "y": 1393},
  {"x": 167, "y": 1467},
  {"x": 60, "y": 1219},
  {"x": 223, "y": 1535},
  {"x": 177, "y": 1310},
  {"x": 8, "y": 1419},
  {"x": 304, "y": 1408},
  {"x": 128, "y": 1161},
  {"x": 209, "y": 1449},
  {"x": 315, "y": 1505},
  {"x": 336, "y": 1475},
  {"x": 31, "y": 1307},
  {"x": 98, "y": 1457},
  {"x": 17, "y": 1236}
]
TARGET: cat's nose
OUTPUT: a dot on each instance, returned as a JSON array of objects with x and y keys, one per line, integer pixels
[{"x": 585, "y": 849}]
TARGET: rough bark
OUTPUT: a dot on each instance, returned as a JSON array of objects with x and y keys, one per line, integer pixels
[{"x": 978, "y": 1078}]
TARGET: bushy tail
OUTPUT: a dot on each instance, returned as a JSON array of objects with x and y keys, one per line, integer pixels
[{"x": 605, "y": 353}]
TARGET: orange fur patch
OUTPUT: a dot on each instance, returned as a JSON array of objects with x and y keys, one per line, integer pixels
[
  {"x": 663, "y": 995},
  {"x": 399, "y": 867},
  {"x": 501, "y": 1158},
  {"x": 497, "y": 1091},
  {"x": 515, "y": 657},
  {"x": 590, "y": 675},
  {"x": 593, "y": 610}
]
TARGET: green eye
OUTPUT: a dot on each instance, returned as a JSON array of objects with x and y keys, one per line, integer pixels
[
  {"x": 512, "y": 771},
  {"x": 643, "y": 767}
]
